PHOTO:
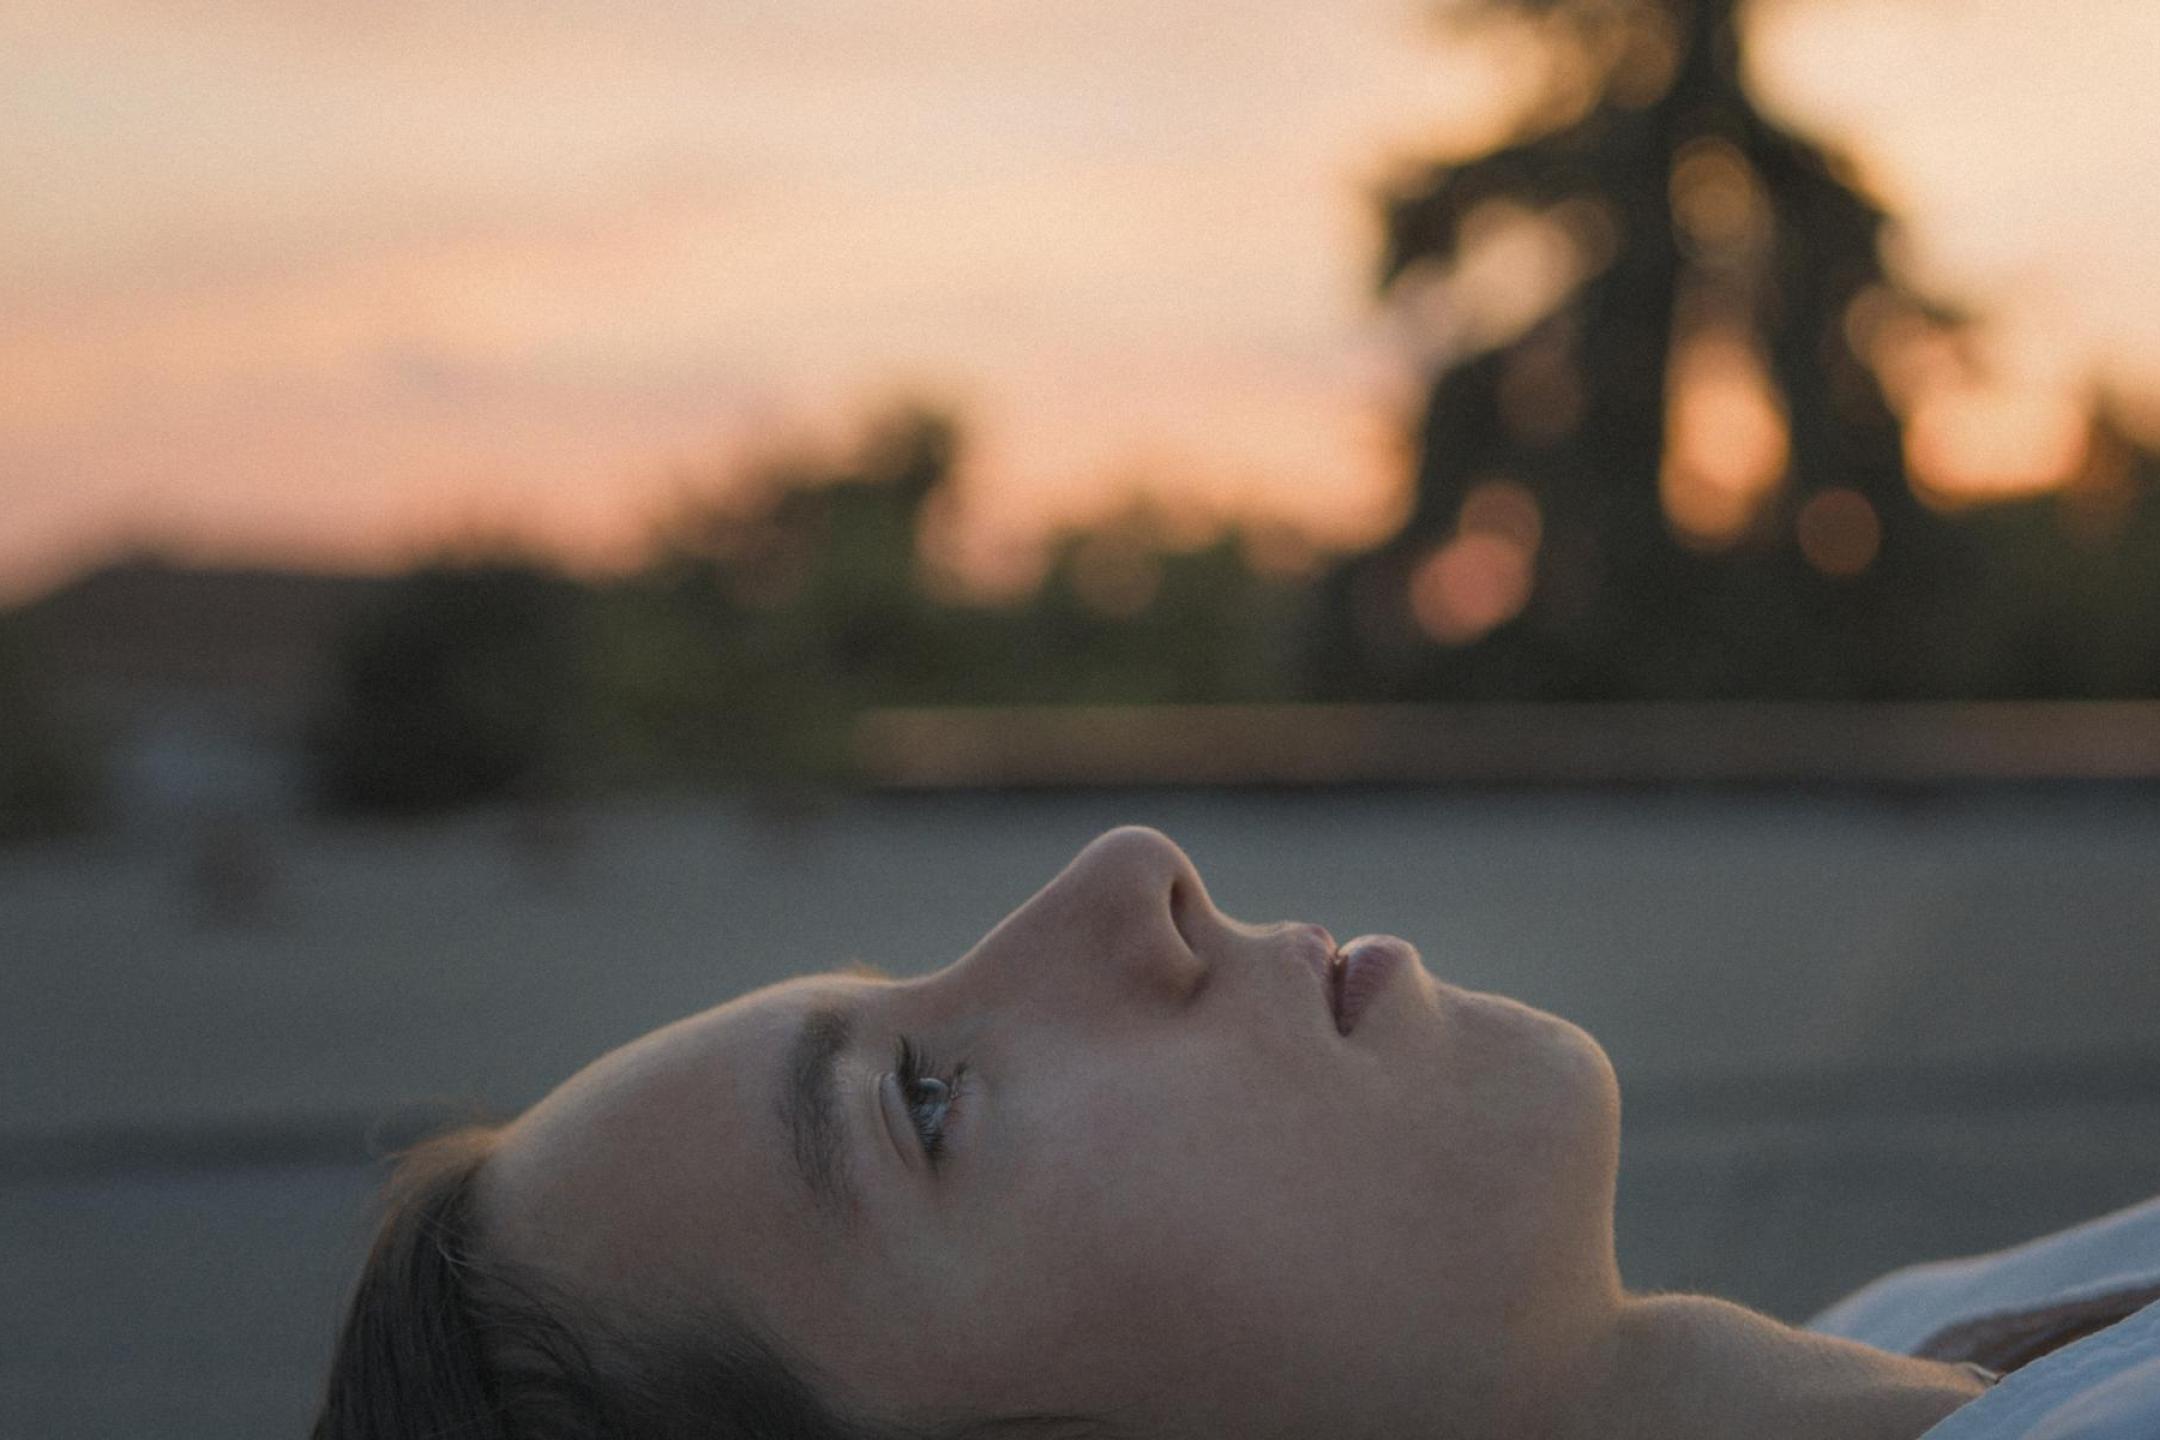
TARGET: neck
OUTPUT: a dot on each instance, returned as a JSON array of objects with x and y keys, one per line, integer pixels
[{"x": 1692, "y": 1368}]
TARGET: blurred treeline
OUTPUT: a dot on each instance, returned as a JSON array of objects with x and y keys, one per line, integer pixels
[
  {"x": 51, "y": 773},
  {"x": 769, "y": 617}
]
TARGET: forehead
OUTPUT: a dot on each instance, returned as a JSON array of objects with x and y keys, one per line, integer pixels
[{"x": 663, "y": 1163}]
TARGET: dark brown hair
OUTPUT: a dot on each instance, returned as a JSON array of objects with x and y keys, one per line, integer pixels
[{"x": 444, "y": 1341}]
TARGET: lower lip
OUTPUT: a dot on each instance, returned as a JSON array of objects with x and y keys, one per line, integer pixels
[{"x": 1367, "y": 964}]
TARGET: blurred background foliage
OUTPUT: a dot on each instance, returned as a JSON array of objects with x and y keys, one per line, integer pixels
[
  {"x": 1685, "y": 477},
  {"x": 470, "y": 681},
  {"x": 772, "y": 614},
  {"x": 51, "y": 769}
]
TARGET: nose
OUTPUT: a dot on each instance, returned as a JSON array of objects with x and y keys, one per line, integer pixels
[{"x": 1123, "y": 922}]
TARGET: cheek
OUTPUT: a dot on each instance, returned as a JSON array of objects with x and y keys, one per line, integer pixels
[
  {"x": 1199, "y": 1226},
  {"x": 1154, "y": 1247}
]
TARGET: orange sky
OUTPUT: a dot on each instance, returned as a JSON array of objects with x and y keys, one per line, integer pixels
[{"x": 331, "y": 280}]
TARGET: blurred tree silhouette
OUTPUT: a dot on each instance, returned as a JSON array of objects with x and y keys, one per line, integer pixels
[
  {"x": 1684, "y": 479},
  {"x": 773, "y": 612},
  {"x": 776, "y": 611},
  {"x": 472, "y": 681},
  {"x": 2071, "y": 607},
  {"x": 1127, "y": 616},
  {"x": 50, "y": 773}
]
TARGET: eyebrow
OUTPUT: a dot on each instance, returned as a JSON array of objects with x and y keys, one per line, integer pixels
[{"x": 816, "y": 1132}]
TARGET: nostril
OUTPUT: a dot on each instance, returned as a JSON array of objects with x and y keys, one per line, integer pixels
[
  {"x": 1188, "y": 970},
  {"x": 1181, "y": 916}
]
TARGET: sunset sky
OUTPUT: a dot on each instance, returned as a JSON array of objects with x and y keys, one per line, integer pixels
[{"x": 330, "y": 281}]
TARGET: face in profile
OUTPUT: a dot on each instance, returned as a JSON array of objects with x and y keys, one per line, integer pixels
[{"x": 1127, "y": 1158}]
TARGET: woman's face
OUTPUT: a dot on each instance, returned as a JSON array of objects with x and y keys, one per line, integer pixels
[{"x": 1158, "y": 1183}]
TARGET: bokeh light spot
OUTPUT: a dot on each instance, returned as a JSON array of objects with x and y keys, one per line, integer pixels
[
  {"x": 1717, "y": 200},
  {"x": 1979, "y": 441},
  {"x": 1474, "y": 582},
  {"x": 1726, "y": 438},
  {"x": 1839, "y": 532}
]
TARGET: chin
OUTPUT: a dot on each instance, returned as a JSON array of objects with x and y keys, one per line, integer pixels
[
  {"x": 1592, "y": 1111},
  {"x": 1539, "y": 1143},
  {"x": 1595, "y": 1073},
  {"x": 1564, "y": 1074},
  {"x": 1574, "y": 1117}
]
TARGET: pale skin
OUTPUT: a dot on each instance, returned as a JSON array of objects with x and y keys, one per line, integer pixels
[{"x": 1168, "y": 1192}]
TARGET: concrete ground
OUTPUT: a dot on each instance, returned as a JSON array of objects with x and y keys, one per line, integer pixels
[{"x": 1853, "y": 1030}]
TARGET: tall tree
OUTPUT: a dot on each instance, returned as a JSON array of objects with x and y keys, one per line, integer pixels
[{"x": 1684, "y": 479}]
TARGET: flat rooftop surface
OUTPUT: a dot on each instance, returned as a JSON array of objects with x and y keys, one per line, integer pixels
[{"x": 1853, "y": 1029}]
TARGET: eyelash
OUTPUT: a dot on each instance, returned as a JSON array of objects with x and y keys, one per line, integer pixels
[{"x": 914, "y": 1071}]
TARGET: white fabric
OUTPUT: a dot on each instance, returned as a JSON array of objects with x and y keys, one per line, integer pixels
[{"x": 2103, "y": 1387}]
